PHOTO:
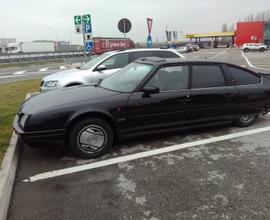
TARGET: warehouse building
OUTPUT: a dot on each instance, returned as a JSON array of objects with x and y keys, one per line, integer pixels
[{"x": 252, "y": 32}]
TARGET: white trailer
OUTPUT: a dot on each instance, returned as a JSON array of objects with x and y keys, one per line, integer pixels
[{"x": 32, "y": 47}]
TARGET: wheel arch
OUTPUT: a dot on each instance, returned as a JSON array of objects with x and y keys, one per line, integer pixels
[{"x": 94, "y": 114}]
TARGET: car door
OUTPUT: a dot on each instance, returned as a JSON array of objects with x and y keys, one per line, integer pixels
[
  {"x": 252, "y": 95},
  {"x": 213, "y": 99},
  {"x": 112, "y": 65},
  {"x": 167, "y": 109}
]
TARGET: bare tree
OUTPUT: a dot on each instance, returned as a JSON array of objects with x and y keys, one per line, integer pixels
[
  {"x": 224, "y": 27},
  {"x": 231, "y": 28}
]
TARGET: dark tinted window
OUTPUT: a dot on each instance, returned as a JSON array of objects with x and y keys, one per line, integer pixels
[
  {"x": 242, "y": 77},
  {"x": 141, "y": 54},
  {"x": 170, "y": 78},
  {"x": 165, "y": 54},
  {"x": 116, "y": 61},
  {"x": 205, "y": 76}
]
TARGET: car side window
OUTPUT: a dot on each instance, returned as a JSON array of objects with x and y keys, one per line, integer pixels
[
  {"x": 170, "y": 78},
  {"x": 165, "y": 54},
  {"x": 207, "y": 76},
  {"x": 243, "y": 77},
  {"x": 117, "y": 61},
  {"x": 140, "y": 54}
]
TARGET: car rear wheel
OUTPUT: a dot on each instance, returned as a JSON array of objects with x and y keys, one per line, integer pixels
[
  {"x": 246, "y": 49},
  {"x": 91, "y": 138},
  {"x": 246, "y": 120},
  {"x": 262, "y": 49}
]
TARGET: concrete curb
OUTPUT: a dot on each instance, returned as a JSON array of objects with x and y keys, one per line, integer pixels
[{"x": 8, "y": 173}]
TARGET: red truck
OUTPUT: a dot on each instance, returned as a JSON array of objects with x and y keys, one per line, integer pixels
[{"x": 104, "y": 44}]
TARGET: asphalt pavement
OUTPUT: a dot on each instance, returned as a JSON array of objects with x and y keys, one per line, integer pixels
[{"x": 212, "y": 173}]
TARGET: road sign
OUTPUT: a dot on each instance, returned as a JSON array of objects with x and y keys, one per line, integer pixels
[
  {"x": 87, "y": 28},
  {"x": 88, "y": 46},
  {"x": 88, "y": 37},
  {"x": 78, "y": 20},
  {"x": 78, "y": 29},
  {"x": 149, "y": 24},
  {"x": 87, "y": 19},
  {"x": 149, "y": 41},
  {"x": 124, "y": 25}
]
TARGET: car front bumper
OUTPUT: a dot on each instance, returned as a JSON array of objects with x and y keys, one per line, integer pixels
[{"x": 39, "y": 138}]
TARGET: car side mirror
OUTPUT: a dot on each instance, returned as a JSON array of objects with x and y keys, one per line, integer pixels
[
  {"x": 148, "y": 90},
  {"x": 101, "y": 67}
]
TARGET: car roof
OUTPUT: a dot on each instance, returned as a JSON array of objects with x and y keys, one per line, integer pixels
[
  {"x": 143, "y": 49},
  {"x": 162, "y": 61}
]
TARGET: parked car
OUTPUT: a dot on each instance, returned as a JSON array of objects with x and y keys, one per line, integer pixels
[
  {"x": 150, "y": 95},
  {"x": 254, "y": 46},
  {"x": 195, "y": 47},
  {"x": 189, "y": 48},
  {"x": 101, "y": 67},
  {"x": 182, "y": 49}
]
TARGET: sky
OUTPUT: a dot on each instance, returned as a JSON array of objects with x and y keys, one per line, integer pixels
[{"x": 28, "y": 20}]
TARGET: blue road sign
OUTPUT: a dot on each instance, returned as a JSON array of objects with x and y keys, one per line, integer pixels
[
  {"x": 88, "y": 46},
  {"x": 87, "y": 28},
  {"x": 149, "y": 41}
]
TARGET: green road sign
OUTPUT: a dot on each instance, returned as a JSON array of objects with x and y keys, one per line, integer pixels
[
  {"x": 77, "y": 20},
  {"x": 87, "y": 19}
]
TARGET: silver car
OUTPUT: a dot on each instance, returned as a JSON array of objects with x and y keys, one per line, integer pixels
[{"x": 101, "y": 67}]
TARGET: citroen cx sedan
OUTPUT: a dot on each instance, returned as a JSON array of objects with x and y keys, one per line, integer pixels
[
  {"x": 148, "y": 96},
  {"x": 101, "y": 67}
]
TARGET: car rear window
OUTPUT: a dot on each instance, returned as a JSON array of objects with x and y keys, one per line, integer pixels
[
  {"x": 206, "y": 76},
  {"x": 165, "y": 54},
  {"x": 243, "y": 77}
]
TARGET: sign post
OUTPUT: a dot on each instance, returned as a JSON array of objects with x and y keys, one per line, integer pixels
[
  {"x": 124, "y": 26},
  {"x": 83, "y": 26},
  {"x": 149, "y": 41}
]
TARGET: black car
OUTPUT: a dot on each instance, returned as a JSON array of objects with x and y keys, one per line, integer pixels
[{"x": 148, "y": 96}]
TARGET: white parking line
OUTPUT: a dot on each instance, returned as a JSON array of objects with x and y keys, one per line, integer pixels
[
  {"x": 220, "y": 53},
  {"x": 62, "y": 67},
  {"x": 43, "y": 69},
  {"x": 19, "y": 72},
  {"x": 140, "y": 155},
  {"x": 11, "y": 76},
  {"x": 250, "y": 64}
]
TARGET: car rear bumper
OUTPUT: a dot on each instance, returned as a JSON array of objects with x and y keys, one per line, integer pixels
[{"x": 39, "y": 138}]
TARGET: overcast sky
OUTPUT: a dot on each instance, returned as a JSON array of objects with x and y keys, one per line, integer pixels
[{"x": 28, "y": 20}]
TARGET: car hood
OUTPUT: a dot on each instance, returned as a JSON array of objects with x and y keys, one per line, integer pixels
[
  {"x": 64, "y": 74},
  {"x": 66, "y": 96}
]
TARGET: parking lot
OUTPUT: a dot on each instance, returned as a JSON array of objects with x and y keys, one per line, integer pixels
[{"x": 211, "y": 173}]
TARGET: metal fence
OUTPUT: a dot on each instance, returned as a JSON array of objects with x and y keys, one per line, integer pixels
[{"x": 22, "y": 57}]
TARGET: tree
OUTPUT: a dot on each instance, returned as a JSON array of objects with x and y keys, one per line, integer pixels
[{"x": 224, "y": 27}]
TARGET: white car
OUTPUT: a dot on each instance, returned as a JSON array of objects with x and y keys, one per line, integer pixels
[
  {"x": 101, "y": 67},
  {"x": 254, "y": 46},
  {"x": 182, "y": 49}
]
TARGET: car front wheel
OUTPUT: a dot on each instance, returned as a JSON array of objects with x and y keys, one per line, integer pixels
[
  {"x": 246, "y": 49},
  {"x": 91, "y": 138},
  {"x": 246, "y": 120},
  {"x": 262, "y": 49}
]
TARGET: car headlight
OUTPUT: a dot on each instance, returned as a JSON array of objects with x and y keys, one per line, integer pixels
[
  {"x": 50, "y": 83},
  {"x": 23, "y": 120}
]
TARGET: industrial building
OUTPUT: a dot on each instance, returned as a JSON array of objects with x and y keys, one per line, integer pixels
[
  {"x": 246, "y": 32},
  {"x": 252, "y": 32}
]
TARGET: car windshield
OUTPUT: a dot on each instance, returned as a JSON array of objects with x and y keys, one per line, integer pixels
[
  {"x": 93, "y": 61},
  {"x": 128, "y": 78}
]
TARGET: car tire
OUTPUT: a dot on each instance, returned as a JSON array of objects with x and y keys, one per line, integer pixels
[
  {"x": 246, "y": 120},
  {"x": 90, "y": 138},
  {"x": 246, "y": 50},
  {"x": 262, "y": 49}
]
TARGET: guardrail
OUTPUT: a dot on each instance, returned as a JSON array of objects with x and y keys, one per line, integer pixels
[{"x": 23, "y": 57}]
